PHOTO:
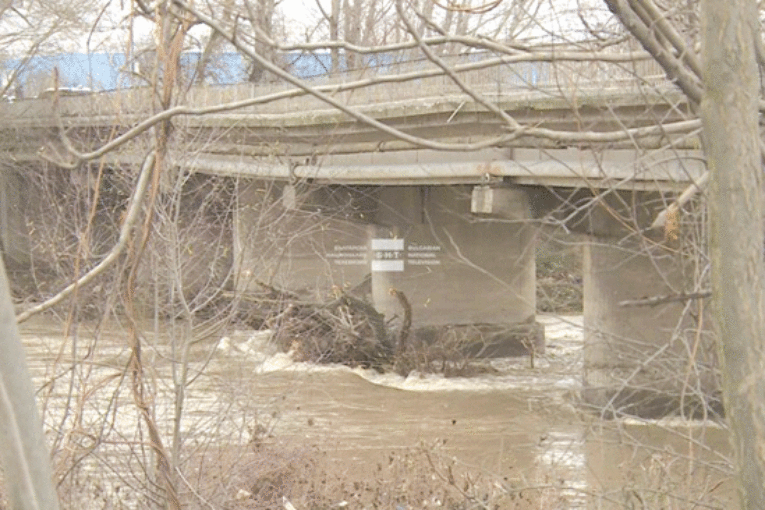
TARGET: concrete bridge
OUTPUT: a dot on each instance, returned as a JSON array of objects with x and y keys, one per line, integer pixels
[{"x": 454, "y": 230}]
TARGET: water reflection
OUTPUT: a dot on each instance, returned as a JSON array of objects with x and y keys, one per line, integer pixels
[{"x": 562, "y": 455}]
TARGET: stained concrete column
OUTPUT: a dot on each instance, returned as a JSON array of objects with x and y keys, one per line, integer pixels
[
  {"x": 636, "y": 358},
  {"x": 296, "y": 242},
  {"x": 456, "y": 268}
]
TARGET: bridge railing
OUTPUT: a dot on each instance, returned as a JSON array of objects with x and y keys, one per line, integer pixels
[{"x": 496, "y": 79}]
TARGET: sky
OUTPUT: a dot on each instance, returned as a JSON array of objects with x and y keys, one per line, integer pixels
[
  {"x": 298, "y": 16},
  {"x": 112, "y": 32}
]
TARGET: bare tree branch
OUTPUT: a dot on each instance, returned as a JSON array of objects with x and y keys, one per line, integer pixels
[
  {"x": 550, "y": 134},
  {"x": 687, "y": 81},
  {"x": 131, "y": 216},
  {"x": 514, "y": 125},
  {"x": 663, "y": 300},
  {"x": 659, "y": 20}
]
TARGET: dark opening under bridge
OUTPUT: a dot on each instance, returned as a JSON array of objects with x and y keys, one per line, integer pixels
[{"x": 457, "y": 187}]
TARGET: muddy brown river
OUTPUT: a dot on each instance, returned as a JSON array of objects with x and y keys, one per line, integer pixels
[{"x": 519, "y": 426}]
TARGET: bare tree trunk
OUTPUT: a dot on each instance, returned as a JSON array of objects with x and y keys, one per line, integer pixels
[
  {"x": 334, "y": 34},
  {"x": 370, "y": 36},
  {"x": 213, "y": 44},
  {"x": 351, "y": 25},
  {"x": 262, "y": 18},
  {"x": 729, "y": 111},
  {"x": 427, "y": 14},
  {"x": 26, "y": 463}
]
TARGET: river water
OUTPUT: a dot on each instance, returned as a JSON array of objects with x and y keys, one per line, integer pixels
[{"x": 520, "y": 428}]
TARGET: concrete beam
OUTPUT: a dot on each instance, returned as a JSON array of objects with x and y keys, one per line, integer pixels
[{"x": 572, "y": 168}]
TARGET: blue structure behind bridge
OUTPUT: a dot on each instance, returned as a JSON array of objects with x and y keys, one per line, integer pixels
[{"x": 113, "y": 71}]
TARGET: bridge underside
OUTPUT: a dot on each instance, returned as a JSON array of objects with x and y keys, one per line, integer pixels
[
  {"x": 456, "y": 271},
  {"x": 567, "y": 168},
  {"x": 464, "y": 257}
]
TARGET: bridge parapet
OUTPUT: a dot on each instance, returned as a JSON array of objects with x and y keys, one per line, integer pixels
[
  {"x": 276, "y": 131},
  {"x": 507, "y": 76}
]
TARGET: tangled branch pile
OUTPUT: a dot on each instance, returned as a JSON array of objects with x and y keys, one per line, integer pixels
[{"x": 350, "y": 331}]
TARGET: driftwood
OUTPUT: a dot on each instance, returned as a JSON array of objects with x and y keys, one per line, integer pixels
[
  {"x": 349, "y": 330},
  {"x": 406, "y": 326},
  {"x": 345, "y": 329}
]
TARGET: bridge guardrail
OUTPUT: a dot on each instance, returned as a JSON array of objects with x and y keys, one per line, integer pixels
[{"x": 496, "y": 80}]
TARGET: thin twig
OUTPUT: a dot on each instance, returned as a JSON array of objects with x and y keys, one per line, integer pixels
[
  {"x": 127, "y": 226},
  {"x": 513, "y": 132},
  {"x": 661, "y": 300}
]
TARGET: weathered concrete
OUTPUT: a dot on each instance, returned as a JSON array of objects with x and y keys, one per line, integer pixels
[
  {"x": 644, "y": 360},
  {"x": 304, "y": 247},
  {"x": 455, "y": 268}
]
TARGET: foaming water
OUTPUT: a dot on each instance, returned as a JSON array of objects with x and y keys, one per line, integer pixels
[{"x": 558, "y": 369}]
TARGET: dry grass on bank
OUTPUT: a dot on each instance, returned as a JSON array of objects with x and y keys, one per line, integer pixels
[
  {"x": 417, "y": 478},
  {"x": 263, "y": 474}
]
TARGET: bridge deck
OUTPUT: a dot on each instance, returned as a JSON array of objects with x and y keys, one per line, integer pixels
[{"x": 284, "y": 133}]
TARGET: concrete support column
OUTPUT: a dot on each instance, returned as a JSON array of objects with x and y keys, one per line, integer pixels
[
  {"x": 637, "y": 359},
  {"x": 455, "y": 268},
  {"x": 292, "y": 241}
]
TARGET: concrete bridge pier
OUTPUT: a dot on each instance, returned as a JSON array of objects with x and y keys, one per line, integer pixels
[
  {"x": 644, "y": 360},
  {"x": 299, "y": 240},
  {"x": 469, "y": 276},
  {"x": 463, "y": 258}
]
